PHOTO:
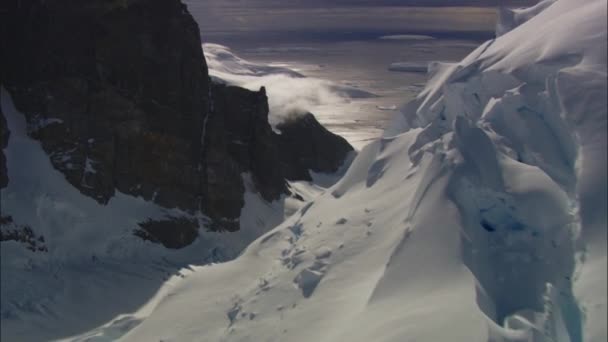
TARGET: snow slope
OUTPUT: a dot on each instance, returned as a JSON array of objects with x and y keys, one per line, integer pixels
[{"x": 480, "y": 216}]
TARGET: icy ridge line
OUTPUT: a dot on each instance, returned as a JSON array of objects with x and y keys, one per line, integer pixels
[{"x": 507, "y": 125}]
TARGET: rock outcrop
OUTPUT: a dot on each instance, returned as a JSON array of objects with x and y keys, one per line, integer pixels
[
  {"x": 238, "y": 140},
  {"x": 118, "y": 94},
  {"x": 304, "y": 144},
  {"x": 4, "y": 136},
  {"x": 172, "y": 232}
]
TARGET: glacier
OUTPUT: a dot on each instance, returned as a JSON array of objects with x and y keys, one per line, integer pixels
[{"x": 479, "y": 216}]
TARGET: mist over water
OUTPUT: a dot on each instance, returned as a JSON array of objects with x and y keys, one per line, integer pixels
[
  {"x": 336, "y": 63},
  {"x": 347, "y": 84},
  {"x": 290, "y": 93}
]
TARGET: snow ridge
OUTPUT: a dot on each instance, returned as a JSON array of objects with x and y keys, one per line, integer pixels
[{"x": 523, "y": 162}]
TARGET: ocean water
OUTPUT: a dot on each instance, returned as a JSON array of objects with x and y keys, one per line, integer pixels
[
  {"x": 364, "y": 65},
  {"x": 345, "y": 46}
]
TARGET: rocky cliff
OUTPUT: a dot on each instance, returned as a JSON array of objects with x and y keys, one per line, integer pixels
[
  {"x": 304, "y": 144},
  {"x": 4, "y": 136},
  {"x": 118, "y": 94}
]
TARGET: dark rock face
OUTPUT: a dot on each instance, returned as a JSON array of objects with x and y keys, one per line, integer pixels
[
  {"x": 4, "y": 136},
  {"x": 116, "y": 91},
  {"x": 173, "y": 232},
  {"x": 118, "y": 94},
  {"x": 304, "y": 144},
  {"x": 11, "y": 231},
  {"x": 246, "y": 144}
]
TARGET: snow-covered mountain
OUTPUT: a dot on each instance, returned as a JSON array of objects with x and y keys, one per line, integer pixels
[
  {"x": 121, "y": 162},
  {"x": 480, "y": 216}
]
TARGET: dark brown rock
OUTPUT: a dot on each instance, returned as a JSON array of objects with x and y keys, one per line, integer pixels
[
  {"x": 118, "y": 94},
  {"x": 304, "y": 144},
  {"x": 246, "y": 145},
  {"x": 4, "y": 136},
  {"x": 172, "y": 232}
]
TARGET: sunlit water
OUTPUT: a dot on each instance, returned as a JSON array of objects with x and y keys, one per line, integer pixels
[
  {"x": 363, "y": 65},
  {"x": 342, "y": 44}
]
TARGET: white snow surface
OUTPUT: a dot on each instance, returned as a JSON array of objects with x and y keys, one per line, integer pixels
[{"x": 479, "y": 216}]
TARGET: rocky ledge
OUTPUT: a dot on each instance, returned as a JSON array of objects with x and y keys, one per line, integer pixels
[
  {"x": 4, "y": 136},
  {"x": 119, "y": 96},
  {"x": 305, "y": 145}
]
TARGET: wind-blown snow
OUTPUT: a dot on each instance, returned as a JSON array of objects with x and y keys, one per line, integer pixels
[
  {"x": 289, "y": 92},
  {"x": 479, "y": 216}
]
